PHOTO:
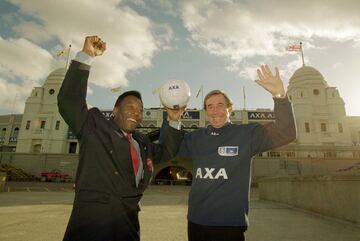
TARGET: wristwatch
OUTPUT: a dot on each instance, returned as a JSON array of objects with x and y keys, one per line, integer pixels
[{"x": 279, "y": 96}]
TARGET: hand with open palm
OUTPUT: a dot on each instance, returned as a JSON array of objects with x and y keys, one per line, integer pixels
[{"x": 270, "y": 82}]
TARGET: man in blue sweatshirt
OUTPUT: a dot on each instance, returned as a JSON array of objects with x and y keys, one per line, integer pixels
[{"x": 221, "y": 154}]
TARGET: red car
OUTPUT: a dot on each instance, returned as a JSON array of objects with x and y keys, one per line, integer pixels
[{"x": 55, "y": 176}]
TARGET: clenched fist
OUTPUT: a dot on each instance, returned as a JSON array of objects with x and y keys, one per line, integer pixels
[
  {"x": 175, "y": 114},
  {"x": 94, "y": 46}
]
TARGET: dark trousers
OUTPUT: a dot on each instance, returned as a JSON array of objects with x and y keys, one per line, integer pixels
[
  {"x": 197, "y": 232},
  {"x": 100, "y": 217}
]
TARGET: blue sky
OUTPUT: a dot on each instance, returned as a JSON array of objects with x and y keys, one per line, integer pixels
[{"x": 215, "y": 44}]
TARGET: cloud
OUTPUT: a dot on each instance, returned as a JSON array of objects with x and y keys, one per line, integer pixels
[
  {"x": 23, "y": 59},
  {"x": 12, "y": 95},
  {"x": 249, "y": 72},
  {"x": 22, "y": 65},
  {"x": 32, "y": 31},
  {"x": 237, "y": 30},
  {"x": 167, "y": 7},
  {"x": 287, "y": 71},
  {"x": 130, "y": 42},
  {"x": 42, "y": 29}
]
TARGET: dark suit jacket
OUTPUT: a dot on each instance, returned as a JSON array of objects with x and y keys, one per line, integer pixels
[{"x": 106, "y": 194}]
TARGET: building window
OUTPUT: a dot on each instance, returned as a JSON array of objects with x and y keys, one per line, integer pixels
[
  {"x": 14, "y": 135},
  {"x": 27, "y": 127},
  {"x": 42, "y": 125},
  {"x": 15, "y": 132},
  {"x": 340, "y": 128},
  {"x": 273, "y": 154},
  {"x": 307, "y": 127},
  {"x": 290, "y": 154},
  {"x": 37, "y": 148},
  {"x": 301, "y": 94},
  {"x": 51, "y": 91},
  {"x": 323, "y": 127},
  {"x": 57, "y": 125},
  {"x": 316, "y": 91},
  {"x": 72, "y": 147}
]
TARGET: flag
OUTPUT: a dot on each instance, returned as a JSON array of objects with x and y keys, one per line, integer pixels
[
  {"x": 200, "y": 90},
  {"x": 116, "y": 89},
  {"x": 156, "y": 91},
  {"x": 64, "y": 52},
  {"x": 294, "y": 48}
]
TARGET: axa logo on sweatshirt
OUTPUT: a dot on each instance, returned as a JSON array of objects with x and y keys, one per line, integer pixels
[{"x": 211, "y": 173}]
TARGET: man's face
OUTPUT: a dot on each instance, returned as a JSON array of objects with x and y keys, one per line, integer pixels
[
  {"x": 217, "y": 111},
  {"x": 129, "y": 113}
]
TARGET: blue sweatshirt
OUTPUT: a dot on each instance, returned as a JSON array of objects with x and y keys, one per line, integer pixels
[{"x": 221, "y": 159}]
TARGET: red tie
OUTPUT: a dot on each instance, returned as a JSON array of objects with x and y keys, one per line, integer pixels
[{"x": 134, "y": 154}]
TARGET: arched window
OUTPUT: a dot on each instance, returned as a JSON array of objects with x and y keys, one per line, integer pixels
[
  {"x": 57, "y": 125},
  {"x": 15, "y": 132}
]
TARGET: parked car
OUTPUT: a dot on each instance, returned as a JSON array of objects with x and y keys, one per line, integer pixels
[{"x": 55, "y": 176}]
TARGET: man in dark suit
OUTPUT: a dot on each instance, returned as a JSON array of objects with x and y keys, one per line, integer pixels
[{"x": 115, "y": 161}]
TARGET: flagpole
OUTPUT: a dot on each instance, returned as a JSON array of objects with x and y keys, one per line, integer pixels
[
  {"x": 201, "y": 89},
  {"x": 202, "y": 96},
  {"x": 302, "y": 54},
  {"x": 244, "y": 97},
  {"x": 68, "y": 57}
]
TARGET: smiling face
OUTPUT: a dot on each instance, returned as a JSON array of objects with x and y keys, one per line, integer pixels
[
  {"x": 128, "y": 113},
  {"x": 217, "y": 110}
]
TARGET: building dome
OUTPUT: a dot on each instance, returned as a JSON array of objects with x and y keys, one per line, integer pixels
[
  {"x": 307, "y": 75},
  {"x": 56, "y": 77}
]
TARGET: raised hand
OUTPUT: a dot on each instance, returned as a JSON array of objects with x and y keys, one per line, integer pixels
[
  {"x": 94, "y": 46},
  {"x": 175, "y": 114},
  {"x": 270, "y": 82}
]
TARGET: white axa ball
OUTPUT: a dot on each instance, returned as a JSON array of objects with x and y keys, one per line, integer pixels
[{"x": 174, "y": 94}]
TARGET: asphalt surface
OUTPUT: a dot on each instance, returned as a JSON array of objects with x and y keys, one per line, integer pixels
[{"x": 40, "y": 212}]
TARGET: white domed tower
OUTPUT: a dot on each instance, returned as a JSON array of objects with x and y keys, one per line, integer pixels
[
  {"x": 319, "y": 110},
  {"x": 42, "y": 127}
]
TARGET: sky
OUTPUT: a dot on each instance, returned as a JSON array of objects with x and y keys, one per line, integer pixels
[{"x": 214, "y": 44}]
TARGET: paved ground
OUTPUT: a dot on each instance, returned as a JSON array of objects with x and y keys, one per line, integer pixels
[{"x": 42, "y": 216}]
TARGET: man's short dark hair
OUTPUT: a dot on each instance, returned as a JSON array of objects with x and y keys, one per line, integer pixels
[
  {"x": 229, "y": 103},
  {"x": 128, "y": 93}
]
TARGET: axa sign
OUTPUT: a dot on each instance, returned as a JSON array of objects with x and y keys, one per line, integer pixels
[{"x": 255, "y": 115}]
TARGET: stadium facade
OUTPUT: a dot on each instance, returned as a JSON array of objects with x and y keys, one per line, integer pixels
[{"x": 324, "y": 130}]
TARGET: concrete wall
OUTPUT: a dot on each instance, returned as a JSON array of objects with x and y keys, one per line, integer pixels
[
  {"x": 335, "y": 196},
  {"x": 35, "y": 163},
  {"x": 262, "y": 167}
]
